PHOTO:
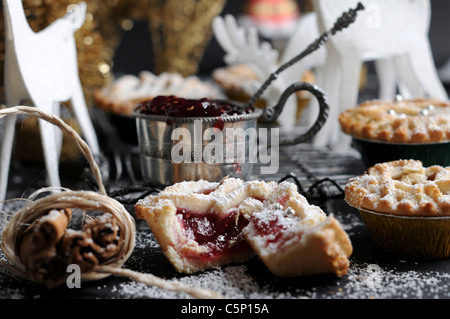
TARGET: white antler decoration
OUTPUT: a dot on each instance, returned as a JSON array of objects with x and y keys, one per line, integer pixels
[
  {"x": 392, "y": 32},
  {"x": 243, "y": 46}
]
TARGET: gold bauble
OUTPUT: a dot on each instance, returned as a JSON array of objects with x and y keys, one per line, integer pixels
[{"x": 180, "y": 31}]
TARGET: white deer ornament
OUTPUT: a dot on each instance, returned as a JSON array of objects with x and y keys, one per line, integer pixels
[
  {"x": 42, "y": 67},
  {"x": 393, "y": 32},
  {"x": 242, "y": 46},
  {"x": 307, "y": 31}
]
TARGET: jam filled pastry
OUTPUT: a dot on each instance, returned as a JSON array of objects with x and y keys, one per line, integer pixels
[
  {"x": 290, "y": 247},
  {"x": 122, "y": 95},
  {"x": 201, "y": 225}
]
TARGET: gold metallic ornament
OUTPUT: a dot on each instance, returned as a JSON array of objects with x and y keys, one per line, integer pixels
[{"x": 180, "y": 31}]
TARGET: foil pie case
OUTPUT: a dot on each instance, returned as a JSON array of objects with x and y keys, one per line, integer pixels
[{"x": 416, "y": 237}]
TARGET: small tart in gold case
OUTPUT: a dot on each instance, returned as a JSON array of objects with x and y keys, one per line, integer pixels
[
  {"x": 384, "y": 131},
  {"x": 403, "y": 121},
  {"x": 405, "y": 206}
]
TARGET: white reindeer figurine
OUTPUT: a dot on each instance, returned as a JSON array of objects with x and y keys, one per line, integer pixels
[
  {"x": 42, "y": 67},
  {"x": 395, "y": 32},
  {"x": 242, "y": 46},
  {"x": 306, "y": 32}
]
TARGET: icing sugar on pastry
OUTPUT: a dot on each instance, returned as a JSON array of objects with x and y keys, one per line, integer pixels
[
  {"x": 402, "y": 187},
  {"x": 404, "y": 121},
  {"x": 202, "y": 225}
]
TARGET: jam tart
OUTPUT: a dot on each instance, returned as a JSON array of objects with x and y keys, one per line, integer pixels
[
  {"x": 201, "y": 225},
  {"x": 125, "y": 93},
  {"x": 402, "y": 187},
  {"x": 424, "y": 120}
]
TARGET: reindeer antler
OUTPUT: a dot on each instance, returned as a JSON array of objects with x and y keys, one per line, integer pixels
[{"x": 243, "y": 46}]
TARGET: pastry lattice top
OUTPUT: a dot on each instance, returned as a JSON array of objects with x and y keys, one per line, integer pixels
[
  {"x": 406, "y": 121},
  {"x": 402, "y": 187}
]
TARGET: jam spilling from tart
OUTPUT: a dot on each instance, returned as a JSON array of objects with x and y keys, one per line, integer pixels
[
  {"x": 173, "y": 106},
  {"x": 221, "y": 235},
  {"x": 231, "y": 221}
]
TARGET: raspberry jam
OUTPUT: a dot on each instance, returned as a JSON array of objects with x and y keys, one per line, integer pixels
[
  {"x": 173, "y": 106},
  {"x": 273, "y": 226},
  {"x": 221, "y": 235}
]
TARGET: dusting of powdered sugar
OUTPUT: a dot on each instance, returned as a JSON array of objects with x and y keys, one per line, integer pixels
[
  {"x": 234, "y": 282},
  {"x": 372, "y": 281},
  {"x": 363, "y": 281},
  {"x": 7, "y": 292},
  {"x": 367, "y": 278}
]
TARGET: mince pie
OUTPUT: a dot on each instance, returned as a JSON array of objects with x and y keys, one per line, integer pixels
[
  {"x": 402, "y": 121},
  {"x": 124, "y": 94},
  {"x": 201, "y": 225},
  {"x": 402, "y": 187}
]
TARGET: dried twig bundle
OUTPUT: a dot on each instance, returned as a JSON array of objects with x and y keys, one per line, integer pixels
[{"x": 32, "y": 252}]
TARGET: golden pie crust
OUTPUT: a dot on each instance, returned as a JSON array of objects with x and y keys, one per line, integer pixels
[
  {"x": 323, "y": 247},
  {"x": 125, "y": 93},
  {"x": 303, "y": 250},
  {"x": 403, "y": 121},
  {"x": 402, "y": 187},
  {"x": 160, "y": 212}
]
